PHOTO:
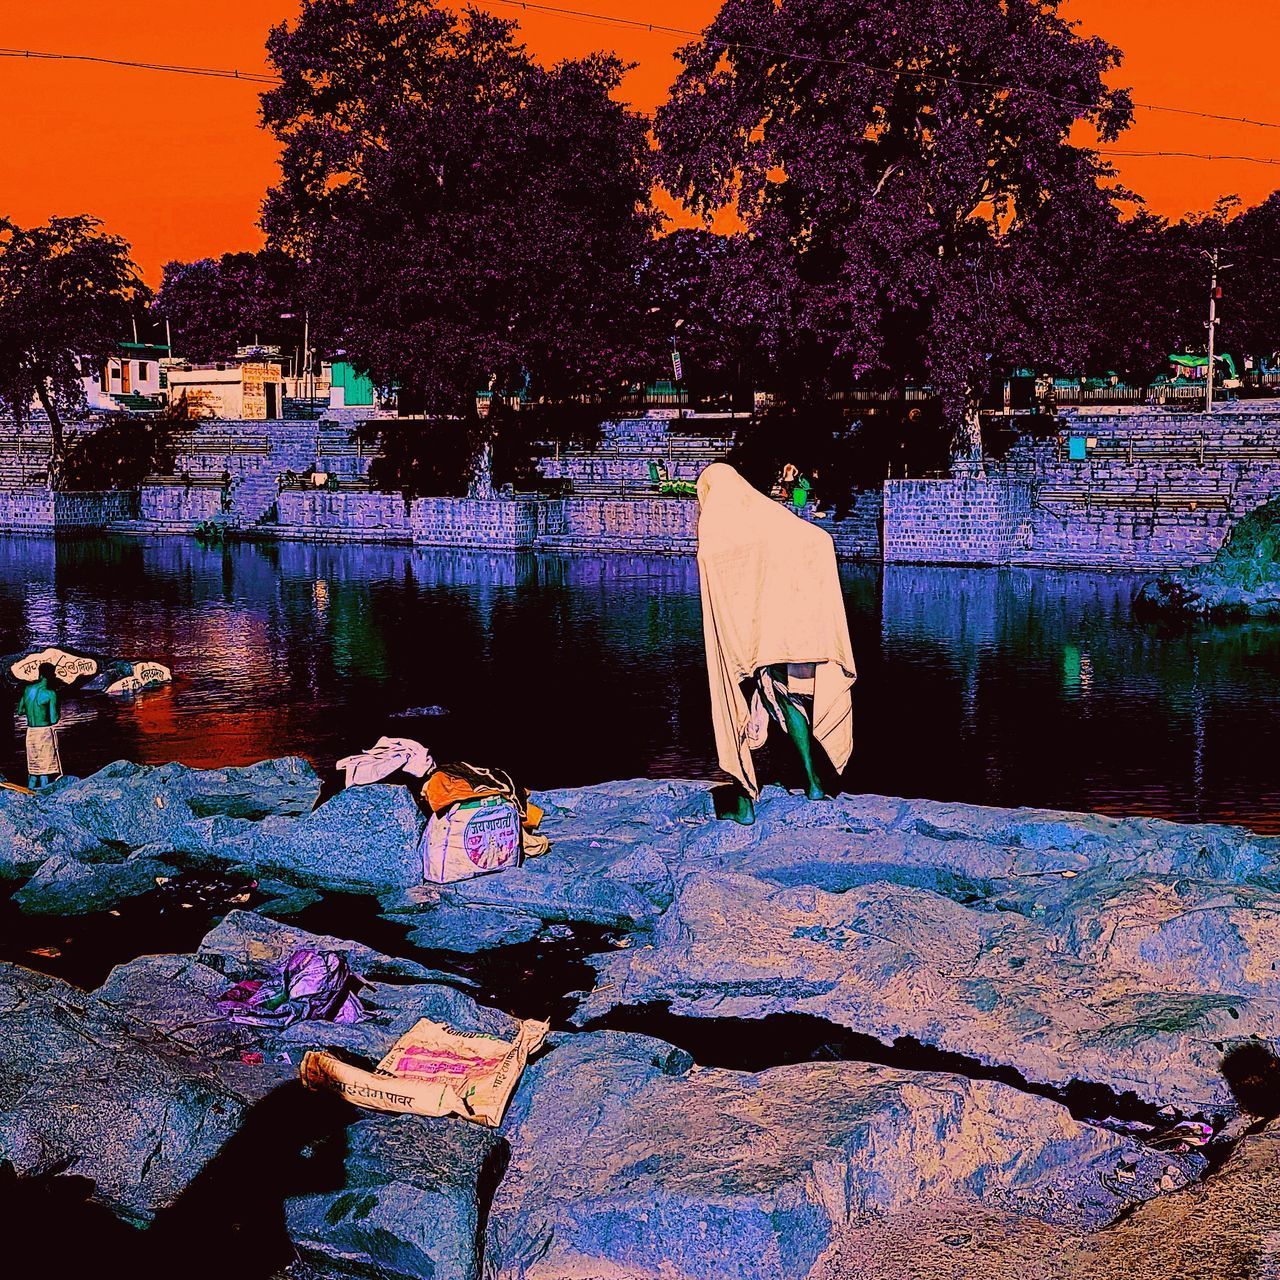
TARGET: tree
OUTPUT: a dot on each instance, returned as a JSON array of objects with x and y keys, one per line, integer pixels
[
  {"x": 466, "y": 219},
  {"x": 66, "y": 293},
  {"x": 214, "y": 305},
  {"x": 908, "y": 180}
]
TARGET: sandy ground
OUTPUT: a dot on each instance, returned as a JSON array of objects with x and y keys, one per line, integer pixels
[{"x": 1227, "y": 1228}]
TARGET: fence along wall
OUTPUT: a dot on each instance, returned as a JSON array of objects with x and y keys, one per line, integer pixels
[{"x": 1152, "y": 491}]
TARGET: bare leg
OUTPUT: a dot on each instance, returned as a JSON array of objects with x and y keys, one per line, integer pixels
[{"x": 797, "y": 727}]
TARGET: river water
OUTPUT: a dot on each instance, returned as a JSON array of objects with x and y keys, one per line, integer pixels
[{"x": 988, "y": 686}]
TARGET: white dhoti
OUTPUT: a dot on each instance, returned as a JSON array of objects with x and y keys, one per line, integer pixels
[{"x": 43, "y": 760}]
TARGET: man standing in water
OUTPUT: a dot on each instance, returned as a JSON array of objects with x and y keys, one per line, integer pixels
[
  {"x": 39, "y": 704},
  {"x": 776, "y": 634}
]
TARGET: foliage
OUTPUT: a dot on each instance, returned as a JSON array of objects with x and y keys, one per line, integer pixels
[
  {"x": 436, "y": 458},
  {"x": 1250, "y": 556},
  {"x": 66, "y": 293},
  {"x": 123, "y": 452},
  {"x": 466, "y": 218},
  {"x": 904, "y": 214},
  {"x": 214, "y": 305}
]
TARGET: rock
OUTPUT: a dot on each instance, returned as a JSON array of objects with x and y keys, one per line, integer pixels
[
  {"x": 411, "y": 1205},
  {"x": 83, "y": 1094},
  {"x": 1223, "y": 1229},
  {"x": 246, "y": 945},
  {"x": 126, "y": 806},
  {"x": 364, "y": 838},
  {"x": 65, "y": 887},
  {"x": 956, "y": 927},
  {"x": 624, "y": 1161},
  {"x": 612, "y": 851},
  {"x": 28, "y": 837}
]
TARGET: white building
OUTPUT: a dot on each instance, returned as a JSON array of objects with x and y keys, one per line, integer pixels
[
  {"x": 134, "y": 379},
  {"x": 251, "y": 391}
]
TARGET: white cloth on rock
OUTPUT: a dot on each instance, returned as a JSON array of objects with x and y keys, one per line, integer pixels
[{"x": 385, "y": 757}]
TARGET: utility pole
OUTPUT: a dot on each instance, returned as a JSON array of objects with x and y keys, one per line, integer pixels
[{"x": 1213, "y": 330}]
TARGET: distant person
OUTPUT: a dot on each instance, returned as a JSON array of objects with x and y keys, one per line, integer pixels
[
  {"x": 39, "y": 704},
  {"x": 786, "y": 485},
  {"x": 776, "y": 634}
]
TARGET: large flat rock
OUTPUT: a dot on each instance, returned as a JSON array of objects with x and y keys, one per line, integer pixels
[
  {"x": 614, "y": 848},
  {"x": 1127, "y": 953},
  {"x": 84, "y": 1092},
  {"x": 627, "y": 1161}
]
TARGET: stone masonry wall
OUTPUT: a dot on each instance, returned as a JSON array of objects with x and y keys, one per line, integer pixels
[
  {"x": 960, "y": 521},
  {"x": 472, "y": 522},
  {"x": 174, "y": 505},
  {"x": 92, "y": 510},
  {"x": 1153, "y": 490},
  {"x": 26, "y": 510},
  {"x": 317, "y": 515}
]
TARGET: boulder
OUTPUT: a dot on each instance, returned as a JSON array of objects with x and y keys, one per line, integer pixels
[
  {"x": 127, "y": 806},
  {"x": 363, "y": 839},
  {"x": 411, "y": 1205},
  {"x": 613, "y": 848},
  {"x": 1124, "y": 952},
  {"x": 83, "y": 1094},
  {"x": 63, "y": 886},
  {"x": 627, "y": 1161}
]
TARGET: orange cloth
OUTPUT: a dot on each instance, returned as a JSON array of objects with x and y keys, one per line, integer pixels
[{"x": 444, "y": 789}]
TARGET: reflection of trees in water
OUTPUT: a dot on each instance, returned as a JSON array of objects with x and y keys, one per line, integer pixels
[{"x": 1044, "y": 682}]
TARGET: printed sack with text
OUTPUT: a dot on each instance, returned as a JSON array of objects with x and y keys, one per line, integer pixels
[
  {"x": 433, "y": 1070},
  {"x": 471, "y": 838}
]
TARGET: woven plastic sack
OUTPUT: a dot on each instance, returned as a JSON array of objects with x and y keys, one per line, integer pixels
[
  {"x": 434, "y": 1071},
  {"x": 471, "y": 838}
]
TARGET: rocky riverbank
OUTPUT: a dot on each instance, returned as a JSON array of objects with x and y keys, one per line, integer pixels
[
  {"x": 865, "y": 1037},
  {"x": 1241, "y": 581}
]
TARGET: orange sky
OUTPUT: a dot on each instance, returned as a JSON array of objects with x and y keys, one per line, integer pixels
[{"x": 178, "y": 165}]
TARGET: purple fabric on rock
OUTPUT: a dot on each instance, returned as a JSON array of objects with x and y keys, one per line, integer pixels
[{"x": 312, "y": 985}]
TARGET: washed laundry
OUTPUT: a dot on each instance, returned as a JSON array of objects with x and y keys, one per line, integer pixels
[
  {"x": 311, "y": 985},
  {"x": 385, "y": 757},
  {"x": 480, "y": 822},
  {"x": 433, "y": 1070}
]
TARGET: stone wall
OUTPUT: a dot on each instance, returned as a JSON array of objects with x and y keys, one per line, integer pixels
[
  {"x": 74, "y": 511},
  {"x": 858, "y": 536},
  {"x": 473, "y": 522},
  {"x": 1087, "y": 536},
  {"x": 318, "y": 515},
  {"x": 27, "y": 510},
  {"x": 617, "y": 524},
  {"x": 1153, "y": 489},
  {"x": 35, "y": 509},
  {"x": 968, "y": 520},
  {"x": 174, "y": 505}
]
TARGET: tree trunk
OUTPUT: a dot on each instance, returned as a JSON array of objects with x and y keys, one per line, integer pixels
[
  {"x": 57, "y": 449},
  {"x": 966, "y": 449}
]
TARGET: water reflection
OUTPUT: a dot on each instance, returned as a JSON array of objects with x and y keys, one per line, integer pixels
[{"x": 1010, "y": 687}]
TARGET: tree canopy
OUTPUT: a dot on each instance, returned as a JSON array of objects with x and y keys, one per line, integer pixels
[
  {"x": 465, "y": 218},
  {"x": 214, "y": 305},
  {"x": 908, "y": 176},
  {"x": 66, "y": 294}
]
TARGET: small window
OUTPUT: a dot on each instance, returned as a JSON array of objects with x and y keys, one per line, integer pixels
[
  {"x": 142, "y": 370},
  {"x": 115, "y": 373}
]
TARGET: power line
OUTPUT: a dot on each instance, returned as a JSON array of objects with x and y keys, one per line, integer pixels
[
  {"x": 1189, "y": 155},
  {"x": 216, "y": 73},
  {"x": 637, "y": 24},
  {"x": 658, "y": 28}
]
